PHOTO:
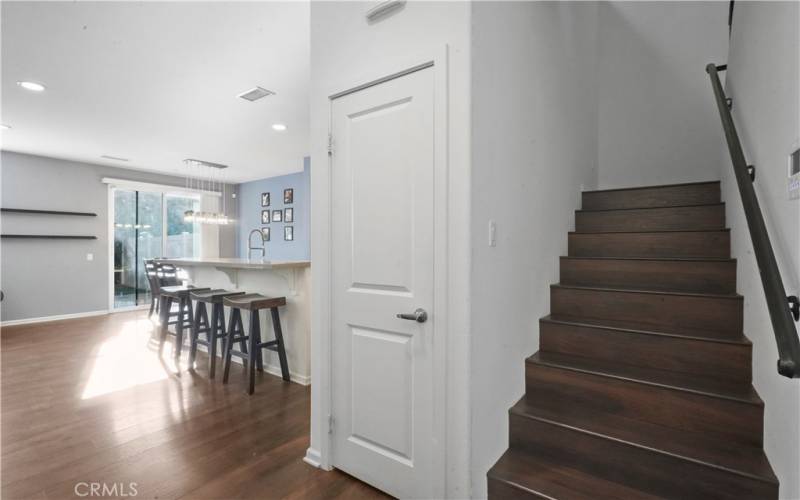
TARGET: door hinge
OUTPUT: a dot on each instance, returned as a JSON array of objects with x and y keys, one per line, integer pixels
[
  {"x": 330, "y": 144},
  {"x": 330, "y": 424}
]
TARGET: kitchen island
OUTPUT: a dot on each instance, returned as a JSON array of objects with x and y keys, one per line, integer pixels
[{"x": 290, "y": 279}]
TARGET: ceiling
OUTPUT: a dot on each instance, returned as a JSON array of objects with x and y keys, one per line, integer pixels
[{"x": 156, "y": 82}]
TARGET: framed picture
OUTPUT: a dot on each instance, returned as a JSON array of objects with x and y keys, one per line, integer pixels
[
  {"x": 265, "y": 216},
  {"x": 288, "y": 233},
  {"x": 265, "y": 233},
  {"x": 288, "y": 215},
  {"x": 264, "y": 199},
  {"x": 288, "y": 196},
  {"x": 277, "y": 216}
]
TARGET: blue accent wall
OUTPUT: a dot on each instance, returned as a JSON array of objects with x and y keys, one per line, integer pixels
[{"x": 250, "y": 215}]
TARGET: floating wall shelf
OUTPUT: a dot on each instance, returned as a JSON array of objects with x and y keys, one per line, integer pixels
[
  {"x": 49, "y": 236},
  {"x": 46, "y": 212}
]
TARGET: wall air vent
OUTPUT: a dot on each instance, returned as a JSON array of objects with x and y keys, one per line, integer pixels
[{"x": 255, "y": 94}]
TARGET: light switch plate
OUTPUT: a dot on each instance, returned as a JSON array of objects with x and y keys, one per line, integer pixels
[{"x": 492, "y": 234}]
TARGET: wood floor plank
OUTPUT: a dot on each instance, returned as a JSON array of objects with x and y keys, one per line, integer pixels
[{"x": 87, "y": 400}]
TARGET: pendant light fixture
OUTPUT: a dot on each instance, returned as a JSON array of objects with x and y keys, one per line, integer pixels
[{"x": 206, "y": 176}]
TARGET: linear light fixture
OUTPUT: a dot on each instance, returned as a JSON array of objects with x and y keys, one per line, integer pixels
[{"x": 191, "y": 162}]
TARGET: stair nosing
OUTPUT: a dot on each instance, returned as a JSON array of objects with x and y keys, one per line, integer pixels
[
  {"x": 625, "y": 442},
  {"x": 577, "y": 322},
  {"x": 733, "y": 296},
  {"x": 759, "y": 402},
  {"x": 660, "y": 259},
  {"x": 514, "y": 484},
  {"x": 637, "y": 188},
  {"x": 599, "y": 210}
]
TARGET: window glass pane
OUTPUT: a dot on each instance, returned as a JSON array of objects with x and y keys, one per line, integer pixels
[
  {"x": 182, "y": 237},
  {"x": 150, "y": 236},
  {"x": 124, "y": 248}
]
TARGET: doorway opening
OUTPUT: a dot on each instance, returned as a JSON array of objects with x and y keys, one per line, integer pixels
[{"x": 148, "y": 225}]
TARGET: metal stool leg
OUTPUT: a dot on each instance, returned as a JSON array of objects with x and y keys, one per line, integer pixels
[{"x": 276, "y": 324}]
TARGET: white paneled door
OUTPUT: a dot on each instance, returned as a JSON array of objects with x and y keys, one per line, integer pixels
[{"x": 383, "y": 266}]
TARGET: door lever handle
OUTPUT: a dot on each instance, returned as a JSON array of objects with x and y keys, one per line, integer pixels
[{"x": 420, "y": 316}]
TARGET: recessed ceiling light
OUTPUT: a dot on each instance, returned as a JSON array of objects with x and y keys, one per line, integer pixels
[
  {"x": 32, "y": 86},
  {"x": 280, "y": 127},
  {"x": 115, "y": 158},
  {"x": 255, "y": 94},
  {"x": 4, "y": 126}
]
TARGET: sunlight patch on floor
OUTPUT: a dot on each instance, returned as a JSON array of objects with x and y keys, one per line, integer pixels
[{"x": 125, "y": 360}]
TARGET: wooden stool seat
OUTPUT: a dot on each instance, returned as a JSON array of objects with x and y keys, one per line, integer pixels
[
  {"x": 212, "y": 296},
  {"x": 251, "y": 344},
  {"x": 180, "y": 291},
  {"x": 254, "y": 301}
]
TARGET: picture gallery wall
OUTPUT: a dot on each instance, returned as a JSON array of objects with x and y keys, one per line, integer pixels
[{"x": 279, "y": 208}]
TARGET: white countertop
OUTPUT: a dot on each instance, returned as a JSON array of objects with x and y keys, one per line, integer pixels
[{"x": 233, "y": 263}]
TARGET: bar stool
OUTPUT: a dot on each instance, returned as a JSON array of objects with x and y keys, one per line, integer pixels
[
  {"x": 214, "y": 330},
  {"x": 169, "y": 294},
  {"x": 253, "y": 302}
]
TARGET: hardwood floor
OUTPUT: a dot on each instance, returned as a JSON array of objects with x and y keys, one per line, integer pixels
[{"x": 88, "y": 401}]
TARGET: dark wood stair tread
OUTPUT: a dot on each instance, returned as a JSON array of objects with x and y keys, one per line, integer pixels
[
  {"x": 655, "y": 186},
  {"x": 599, "y": 210},
  {"x": 659, "y": 231},
  {"x": 644, "y": 329},
  {"x": 659, "y": 259},
  {"x": 748, "y": 461},
  {"x": 671, "y": 380},
  {"x": 530, "y": 474},
  {"x": 734, "y": 296}
]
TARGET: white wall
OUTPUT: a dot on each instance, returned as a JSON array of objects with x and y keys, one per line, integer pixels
[
  {"x": 656, "y": 123},
  {"x": 534, "y": 147},
  {"x": 347, "y": 51},
  {"x": 764, "y": 81}
]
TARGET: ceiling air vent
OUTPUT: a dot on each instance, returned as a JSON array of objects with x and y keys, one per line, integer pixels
[{"x": 255, "y": 94}]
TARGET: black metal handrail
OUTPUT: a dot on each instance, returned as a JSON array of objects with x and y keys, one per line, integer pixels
[{"x": 779, "y": 305}]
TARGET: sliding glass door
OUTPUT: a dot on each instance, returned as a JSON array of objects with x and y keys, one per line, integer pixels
[{"x": 148, "y": 225}]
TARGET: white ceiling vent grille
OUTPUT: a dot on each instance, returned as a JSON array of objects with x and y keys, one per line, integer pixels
[{"x": 255, "y": 94}]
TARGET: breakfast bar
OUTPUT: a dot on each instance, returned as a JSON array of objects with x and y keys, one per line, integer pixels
[{"x": 290, "y": 279}]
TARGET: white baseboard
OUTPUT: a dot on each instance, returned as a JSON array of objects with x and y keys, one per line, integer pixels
[
  {"x": 313, "y": 457},
  {"x": 59, "y": 317}
]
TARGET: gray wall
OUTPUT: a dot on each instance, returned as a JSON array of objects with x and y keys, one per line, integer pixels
[
  {"x": 52, "y": 277},
  {"x": 657, "y": 123}
]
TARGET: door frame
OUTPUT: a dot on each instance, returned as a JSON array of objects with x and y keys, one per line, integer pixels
[{"x": 322, "y": 387}]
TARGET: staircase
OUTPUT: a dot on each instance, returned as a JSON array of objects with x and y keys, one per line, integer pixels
[{"x": 641, "y": 388}]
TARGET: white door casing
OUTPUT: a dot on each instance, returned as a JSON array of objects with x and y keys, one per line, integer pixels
[{"x": 383, "y": 213}]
